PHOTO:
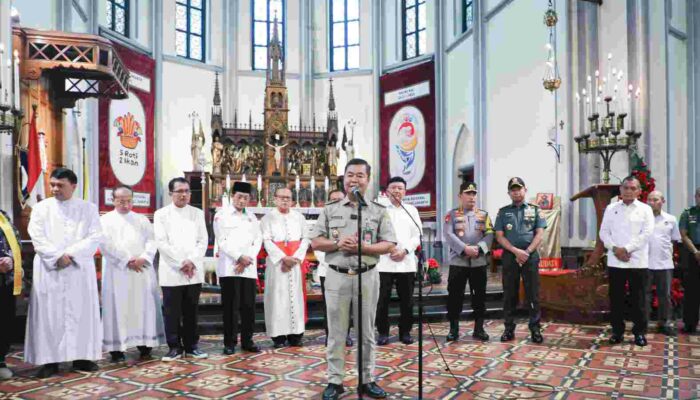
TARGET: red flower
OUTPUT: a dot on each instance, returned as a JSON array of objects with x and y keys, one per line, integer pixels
[{"x": 432, "y": 263}]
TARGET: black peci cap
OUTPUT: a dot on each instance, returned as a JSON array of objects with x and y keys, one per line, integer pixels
[{"x": 242, "y": 187}]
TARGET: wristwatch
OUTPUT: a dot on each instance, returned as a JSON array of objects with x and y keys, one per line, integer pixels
[{"x": 335, "y": 242}]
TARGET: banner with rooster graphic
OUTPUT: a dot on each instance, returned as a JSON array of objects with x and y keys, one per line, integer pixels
[
  {"x": 126, "y": 136},
  {"x": 407, "y": 120}
]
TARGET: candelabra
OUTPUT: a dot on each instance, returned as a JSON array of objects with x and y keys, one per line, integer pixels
[{"x": 607, "y": 139}]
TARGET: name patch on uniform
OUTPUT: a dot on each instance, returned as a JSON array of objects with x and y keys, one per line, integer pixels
[{"x": 353, "y": 216}]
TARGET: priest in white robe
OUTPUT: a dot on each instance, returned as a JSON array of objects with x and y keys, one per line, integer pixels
[
  {"x": 285, "y": 242},
  {"x": 182, "y": 240},
  {"x": 131, "y": 302},
  {"x": 63, "y": 323}
]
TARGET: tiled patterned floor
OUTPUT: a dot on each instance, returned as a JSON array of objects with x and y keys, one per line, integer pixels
[{"x": 575, "y": 362}]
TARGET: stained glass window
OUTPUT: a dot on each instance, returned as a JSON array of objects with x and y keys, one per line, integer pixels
[
  {"x": 118, "y": 16},
  {"x": 414, "y": 34},
  {"x": 344, "y": 23},
  {"x": 190, "y": 31},
  {"x": 264, "y": 13},
  {"x": 467, "y": 14}
]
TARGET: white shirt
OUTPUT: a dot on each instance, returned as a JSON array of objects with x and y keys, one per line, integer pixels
[
  {"x": 181, "y": 234},
  {"x": 628, "y": 226},
  {"x": 237, "y": 234},
  {"x": 407, "y": 238},
  {"x": 322, "y": 264},
  {"x": 660, "y": 246}
]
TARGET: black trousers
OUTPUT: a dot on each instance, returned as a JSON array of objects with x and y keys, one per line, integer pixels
[
  {"x": 691, "y": 286},
  {"x": 238, "y": 299},
  {"x": 637, "y": 278},
  {"x": 7, "y": 314},
  {"x": 457, "y": 282},
  {"x": 404, "y": 282},
  {"x": 325, "y": 312},
  {"x": 511, "y": 287},
  {"x": 180, "y": 310}
]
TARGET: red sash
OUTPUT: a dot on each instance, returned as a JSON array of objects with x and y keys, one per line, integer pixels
[{"x": 289, "y": 249}]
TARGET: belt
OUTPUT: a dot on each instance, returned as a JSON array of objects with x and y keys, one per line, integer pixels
[{"x": 350, "y": 271}]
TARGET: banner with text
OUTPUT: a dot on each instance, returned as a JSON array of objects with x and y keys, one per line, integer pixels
[
  {"x": 126, "y": 136},
  {"x": 407, "y": 133}
]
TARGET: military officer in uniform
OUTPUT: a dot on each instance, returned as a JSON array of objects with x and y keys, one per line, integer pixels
[
  {"x": 519, "y": 230},
  {"x": 689, "y": 225},
  {"x": 469, "y": 233},
  {"x": 335, "y": 233}
]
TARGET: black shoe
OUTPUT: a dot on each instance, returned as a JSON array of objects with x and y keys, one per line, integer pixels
[
  {"x": 640, "y": 340},
  {"x": 332, "y": 391},
  {"x": 536, "y": 336},
  {"x": 250, "y": 347},
  {"x": 348, "y": 341},
  {"x": 667, "y": 330},
  {"x": 196, "y": 353},
  {"x": 615, "y": 339},
  {"x": 295, "y": 342},
  {"x": 172, "y": 355},
  {"x": 47, "y": 370},
  {"x": 278, "y": 345},
  {"x": 228, "y": 350},
  {"x": 406, "y": 339},
  {"x": 481, "y": 335},
  {"x": 373, "y": 390},
  {"x": 144, "y": 353},
  {"x": 454, "y": 331},
  {"x": 117, "y": 356},
  {"x": 507, "y": 335},
  {"x": 85, "y": 365},
  {"x": 382, "y": 340}
]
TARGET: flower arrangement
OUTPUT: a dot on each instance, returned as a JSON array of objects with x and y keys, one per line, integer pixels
[
  {"x": 434, "y": 271},
  {"x": 641, "y": 171}
]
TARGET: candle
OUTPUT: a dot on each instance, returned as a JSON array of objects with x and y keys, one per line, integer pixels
[
  {"x": 243, "y": 178},
  {"x": 637, "y": 107},
  {"x": 16, "y": 81},
  {"x": 629, "y": 100},
  {"x": 2, "y": 57},
  {"x": 590, "y": 89},
  {"x": 228, "y": 183},
  {"x": 259, "y": 182},
  {"x": 313, "y": 189},
  {"x": 597, "y": 87},
  {"x": 297, "y": 186},
  {"x": 609, "y": 65},
  {"x": 325, "y": 185}
]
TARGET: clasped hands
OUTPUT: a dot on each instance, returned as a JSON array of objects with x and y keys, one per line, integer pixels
[
  {"x": 5, "y": 264},
  {"x": 64, "y": 261},
  {"x": 136, "y": 264},
  {"x": 289, "y": 262},
  {"x": 242, "y": 263},
  {"x": 188, "y": 268},
  {"x": 471, "y": 251},
  {"x": 621, "y": 254}
]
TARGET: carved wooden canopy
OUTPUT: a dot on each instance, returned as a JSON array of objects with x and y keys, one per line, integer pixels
[{"x": 77, "y": 65}]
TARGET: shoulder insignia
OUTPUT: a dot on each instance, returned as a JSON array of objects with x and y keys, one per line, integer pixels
[
  {"x": 332, "y": 202},
  {"x": 533, "y": 205}
]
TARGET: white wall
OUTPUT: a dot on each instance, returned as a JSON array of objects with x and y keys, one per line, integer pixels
[{"x": 519, "y": 112}]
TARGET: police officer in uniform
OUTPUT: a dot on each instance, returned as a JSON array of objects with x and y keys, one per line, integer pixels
[
  {"x": 689, "y": 225},
  {"x": 335, "y": 233},
  {"x": 469, "y": 233},
  {"x": 519, "y": 230}
]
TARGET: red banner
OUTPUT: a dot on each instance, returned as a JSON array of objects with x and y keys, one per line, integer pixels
[
  {"x": 407, "y": 126},
  {"x": 126, "y": 135}
]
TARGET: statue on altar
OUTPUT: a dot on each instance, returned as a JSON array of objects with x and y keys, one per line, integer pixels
[
  {"x": 217, "y": 154},
  {"x": 278, "y": 154},
  {"x": 196, "y": 147},
  {"x": 332, "y": 156}
]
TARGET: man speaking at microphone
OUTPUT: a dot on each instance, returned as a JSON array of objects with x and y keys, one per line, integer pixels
[{"x": 335, "y": 233}]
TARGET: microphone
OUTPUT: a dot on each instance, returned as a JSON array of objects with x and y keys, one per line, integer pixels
[{"x": 358, "y": 196}]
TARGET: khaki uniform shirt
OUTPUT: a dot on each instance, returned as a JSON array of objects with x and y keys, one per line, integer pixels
[
  {"x": 468, "y": 227},
  {"x": 339, "y": 219}
]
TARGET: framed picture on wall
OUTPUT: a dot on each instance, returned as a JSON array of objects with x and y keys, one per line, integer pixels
[{"x": 545, "y": 200}]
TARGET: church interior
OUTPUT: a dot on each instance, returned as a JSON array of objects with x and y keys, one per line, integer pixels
[{"x": 569, "y": 96}]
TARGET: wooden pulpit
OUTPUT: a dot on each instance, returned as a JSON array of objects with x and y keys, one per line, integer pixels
[{"x": 601, "y": 195}]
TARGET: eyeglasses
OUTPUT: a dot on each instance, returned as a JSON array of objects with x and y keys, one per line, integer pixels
[
  {"x": 284, "y": 198},
  {"x": 122, "y": 201},
  {"x": 181, "y": 191}
]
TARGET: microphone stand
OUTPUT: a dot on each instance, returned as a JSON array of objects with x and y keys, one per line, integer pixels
[
  {"x": 421, "y": 276},
  {"x": 360, "y": 203}
]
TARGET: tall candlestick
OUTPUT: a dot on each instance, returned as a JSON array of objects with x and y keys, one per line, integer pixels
[
  {"x": 297, "y": 186},
  {"x": 313, "y": 189},
  {"x": 259, "y": 182},
  {"x": 16, "y": 87},
  {"x": 243, "y": 178},
  {"x": 325, "y": 185},
  {"x": 638, "y": 113}
]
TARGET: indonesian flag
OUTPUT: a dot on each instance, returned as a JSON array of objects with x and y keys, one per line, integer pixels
[{"x": 31, "y": 167}]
